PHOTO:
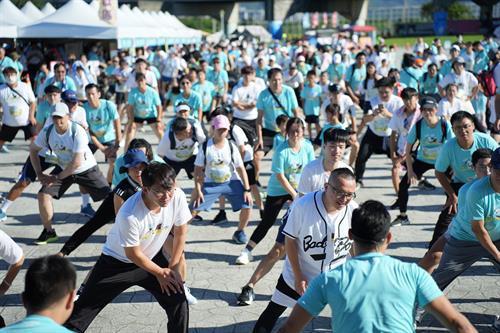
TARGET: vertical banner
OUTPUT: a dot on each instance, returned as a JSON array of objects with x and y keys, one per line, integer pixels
[
  {"x": 335, "y": 20},
  {"x": 325, "y": 20},
  {"x": 440, "y": 23},
  {"x": 306, "y": 22},
  {"x": 314, "y": 20},
  {"x": 108, "y": 10}
]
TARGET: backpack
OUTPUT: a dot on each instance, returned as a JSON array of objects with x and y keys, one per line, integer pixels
[
  {"x": 49, "y": 130},
  {"x": 247, "y": 129},
  {"x": 171, "y": 136},
  {"x": 204, "y": 148},
  {"x": 418, "y": 130},
  {"x": 487, "y": 81}
]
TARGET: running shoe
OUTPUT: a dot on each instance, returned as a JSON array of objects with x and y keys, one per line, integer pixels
[
  {"x": 247, "y": 296},
  {"x": 496, "y": 324},
  {"x": 4, "y": 150},
  {"x": 3, "y": 216},
  {"x": 400, "y": 220},
  {"x": 189, "y": 297},
  {"x": 87, "y": 211},
  {"x": 239, "y": 237},
  {"x": 220, "y": 217},
  {"x": 425, "y": 185},
  {"x": 197, "y": 218},
  {"x": 244, "y": 258},
  {"x": 46, "y": 237}
]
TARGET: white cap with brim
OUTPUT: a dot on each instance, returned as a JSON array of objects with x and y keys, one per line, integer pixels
[
  {"x": 182, "y": 107},
  {"x": 60, "y": 110}
]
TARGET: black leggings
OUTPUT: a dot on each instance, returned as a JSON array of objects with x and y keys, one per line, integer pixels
[
  {"x": 419, "y": 168},
  {"x": 272, "y": 208},
  {"x": 105, "y": 214},
  {"x": 371, "y": 144}
]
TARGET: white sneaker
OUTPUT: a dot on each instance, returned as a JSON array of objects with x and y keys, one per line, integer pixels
[
  {"x": 244, "y": 258},
  {"x": 189, "y": 297}
]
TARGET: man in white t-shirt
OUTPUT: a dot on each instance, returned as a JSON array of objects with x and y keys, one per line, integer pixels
[
  {"x": 180, "y": 144},
  {"x": 245, "y": 98},
  {"x": 132, "y": 254},
  {"x": 67, "y": 146},
  {"x": 313, "y": 178},
  {"x": 379, "y": 113},
  {"x": 141, "y": 66},
  {"x": 316, "y": 241},
  {"x": 18, "y": 103}
]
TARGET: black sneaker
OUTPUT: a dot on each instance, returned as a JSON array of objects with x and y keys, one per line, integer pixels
[
  {"x": 425, "y": 185},
  {"x": 395, "y": 205},
  {"x": 247, "y": 296},
  {"x": 400, "y": 220},
  {"x": 46, "y": 237},
  {"x": 220, "y": 217},
  {"x": 197, "y": 218}
]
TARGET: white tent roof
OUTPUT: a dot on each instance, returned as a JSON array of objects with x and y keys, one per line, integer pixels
[
  {"x": 76, "y": 20},
  {"x": 31, "y": 11},
  {"x": 11, "y": 15},
  {"x": 95, "y": 4},
  {"x": 48, "y": 9}
]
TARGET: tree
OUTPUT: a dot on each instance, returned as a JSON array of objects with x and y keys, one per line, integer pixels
[{"x": 456, "y": 10}]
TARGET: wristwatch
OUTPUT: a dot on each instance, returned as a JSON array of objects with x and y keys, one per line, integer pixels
[{"x": 247, "y": 190}]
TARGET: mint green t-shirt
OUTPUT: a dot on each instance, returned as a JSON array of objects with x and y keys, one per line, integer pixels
[
  {"x": 483, "y": 203},
  {"x": 290, "y": 164},
  {"x": 371, "y": 293},
  {"x": 431, "y": 140},
  {"x": 410, "y": 77},
  {"x": 194, "y": 102},
  {"x": 43, "y": 112},
  {"x": 354, "y": 76},
  {"x": 312, "y": 99},
  {"x": 460, "y": 227},
  {"x": 35, "y": 323},
  {"x": 272, "y": 109},
  {"x": 262, "y": 72},
  {"x": 206, "y": 92},
  {"x": 144, "y": 104},
  {"x": 101, "y": 120},
  {"x": 459, "y": 159},
  {"x": 336, "y": 72},
  {"x": 278, "y": 139},
  {"x": 219, "y": 79}
]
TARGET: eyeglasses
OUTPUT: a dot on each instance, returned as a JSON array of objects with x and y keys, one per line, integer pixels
[{"x": 342, "y": 194}]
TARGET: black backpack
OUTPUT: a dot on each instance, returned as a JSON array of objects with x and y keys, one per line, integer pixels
[
  {"x": 247, "y": 129},
  {"x": 171, "y": 135}
]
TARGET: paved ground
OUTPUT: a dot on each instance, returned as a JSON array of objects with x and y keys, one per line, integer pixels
[{"x": 213, "y": 277}]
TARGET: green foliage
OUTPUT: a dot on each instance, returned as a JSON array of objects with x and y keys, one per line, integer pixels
[
  {"x": 200, "y": 23},
  {"x": 20, "y": 3},
  {"x": 456, "y": 11},
  {"x": 427, "y": 10}
]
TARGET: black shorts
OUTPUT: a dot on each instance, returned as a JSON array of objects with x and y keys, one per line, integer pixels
[
  {"x": 28, "y": 172},
  {"x": 312, "y": 119},
  {"x": 8, "y": 133},
  {"x": 250, "y": 168},
  {"x": 92, "y": 180},
  {"x": 251, "y": 123},
  {"x": 187, "y": 165},
  {"x": 147, "y": 120},
  {"x": 268, "y": 138},
  {"x": 120, "y": 98}
]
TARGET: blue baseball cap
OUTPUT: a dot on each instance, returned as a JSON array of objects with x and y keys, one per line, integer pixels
[
  {"x": 132, "y": 158},
  {"x": 69, "y": 96}
]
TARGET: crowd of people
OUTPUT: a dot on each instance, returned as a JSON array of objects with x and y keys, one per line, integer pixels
[{"x": 216, "y": 111}]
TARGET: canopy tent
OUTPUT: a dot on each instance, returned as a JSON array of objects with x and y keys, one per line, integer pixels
[
  {"x": 183, "y": 34},
  {"x": 48, "y": 9},
  {"x": 10, "y": 19},
  {"x": 75, "y": 20},
  {"x": 32, "y": 11},
  {"x": 132, "y": 32}
]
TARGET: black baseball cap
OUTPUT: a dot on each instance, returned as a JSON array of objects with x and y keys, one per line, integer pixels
[
  {"x": 370, "y": 222},
  {"x": 428, "y": 102},
  {"x": 334, "y": 88},
  {"x": 495, "y": 159}
]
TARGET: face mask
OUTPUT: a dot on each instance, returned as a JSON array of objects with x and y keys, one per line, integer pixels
[{"x": 11, "y": 79}]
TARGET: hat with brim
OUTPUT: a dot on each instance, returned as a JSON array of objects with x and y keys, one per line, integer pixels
[
  {"x": 132, "y": 158},
  {"x": 60, "y": 110}
]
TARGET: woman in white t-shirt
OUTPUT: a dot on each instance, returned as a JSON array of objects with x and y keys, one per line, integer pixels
[
  {"x": 465, "y": 81},
  {"x": 451, "y": 104}
]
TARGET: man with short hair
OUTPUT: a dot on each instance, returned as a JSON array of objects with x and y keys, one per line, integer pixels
[
  {"x": 132, "y": 255},
  {"x": 66, "y": 145},
  {"x": 316, "y": 240},
  {"x": 371, "y": 291},
  {"x": 18, "y": 103},
  {"x": 61, "y": 79},
  {"x": 49, "y": 293}
]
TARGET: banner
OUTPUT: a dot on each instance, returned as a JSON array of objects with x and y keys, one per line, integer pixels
[{"x": 108, "y": 10}]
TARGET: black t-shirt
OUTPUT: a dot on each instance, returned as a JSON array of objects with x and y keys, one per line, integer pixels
[{"x": 126, "y": 188}]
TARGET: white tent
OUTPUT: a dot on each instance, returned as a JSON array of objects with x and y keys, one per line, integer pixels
[
  {"x": 75, "y": 20},
  {"x": 10, "y": 19},
  {"x": 183, "y": 34},
  {"x": 31, "y": 11},
  {"x": 131, "y": 30},
  {"x": 48, "y": 9}
]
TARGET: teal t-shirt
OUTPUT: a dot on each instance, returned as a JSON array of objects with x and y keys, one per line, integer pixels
[
  {"x": 461, "y": 227},
  {"x": 336, "y": 72},
  {"x": 459, "y": 159},
  {"x": 272, "y": 109},
  {"x": 67, "y": 84},
  {"x": 304, "y": 68},
  {"x": 43, "y": 112},
  {"x": 35, "y": 323},
  {"x": 371, "y": 293},
  {"x": 206, "y": 92},
  {"x": 101, "y": 120},
  {"x": 290, "y": 164},
  {"x": 481, "y": 62},
  {"x": 4, "y": 63},
  {"x": 431, "y": 140},
  {"x": 312, "y": 99},
  {"x": 410, "y": 77},
  {"x": 354, "y": 76},
  {"x": 222, "y": 57},
  {"x": 262, "y": 72},
  {"x": 219, "y": 79},
  {"x": 479, "y": 102},
  {"x": 118, "y": 177},
  {"x": 446, "y": 68},
  {"x": 278, "y": 139},
  {"x": 144, "y": 104},
  {"x": 483, "y": 203},
  {"x": 194, "y": 102},
  {"x": 429, "y": 85}
]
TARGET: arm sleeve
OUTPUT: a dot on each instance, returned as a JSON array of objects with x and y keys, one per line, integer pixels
[
  {"x": 129, "y": 233},
  {"x": 41, "y": 139},
  {"x": 81, "y": 142},
  {"x": 475, "y": 204},
  {"x": 260, "y": 102},
  {"x": 9, "y": 250},
  {"x": 200, "y": 157},
  {"x": 305, "y": 181},
  {"x": 113, "y": 112},
  {"x": 412, "y": 135},
  {"x": 314, "y": 300},
  {"x": 278, "y": 164},
  {"x": 294, "y": 220},
  {"x": 427, "y": 289},
  {"x": 238, "y": 162},
  {"x": 156, "y": 100},
  {"x": 443, "y": 160},
  {"x": 183, "y": 215}
]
